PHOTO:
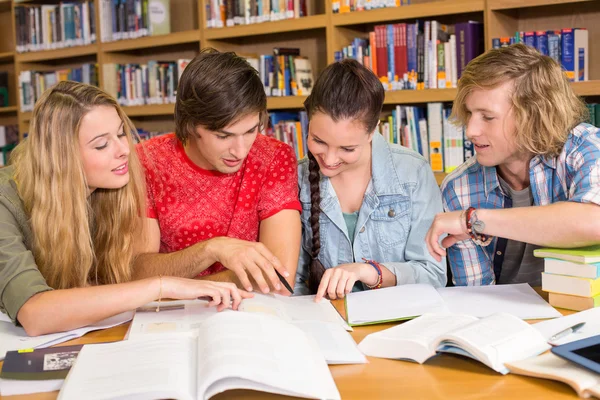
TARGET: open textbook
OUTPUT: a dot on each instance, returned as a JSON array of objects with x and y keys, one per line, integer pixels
[
  {"x": 409, "y": 301},
  {"x": 15, "y": 338},
  {"x": 231, "y": 351},
  {"x": 549, "y": 366},
  {"x": 493, "y": 340},
  {"x": 320, "y": 321}
]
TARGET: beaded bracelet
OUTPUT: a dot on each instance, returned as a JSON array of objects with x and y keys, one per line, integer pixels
[
  {"x": 377, "y": 267},
  {"x": 480, "y": 239}
]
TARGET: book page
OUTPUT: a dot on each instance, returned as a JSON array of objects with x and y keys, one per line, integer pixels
[
  {"x": 393, "y": 303},
  {"x": 143, "y": 368},
  {"x": 497, "y": 339},
  {"x": 415, "y": 339},
  {"x": 551, "y": 327},
  {"x": 335, "y": 344},
  {"x": 15, "y": 338},
  {"x": 260, "y": 349},
  {"x": 550, "y": 366},
  {"x": 519, "y": 300}
]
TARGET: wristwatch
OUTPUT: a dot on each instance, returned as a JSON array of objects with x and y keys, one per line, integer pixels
[
  {"x": 477, "y": 225},
  {"x": 475, "y": 228}
]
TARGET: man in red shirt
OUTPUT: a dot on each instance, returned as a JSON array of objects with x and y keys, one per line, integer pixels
[{"x": 222, "y": 198}]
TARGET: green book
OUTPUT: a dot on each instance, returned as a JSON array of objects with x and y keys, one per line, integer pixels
[
  {"x": 160, "y": 17},
  {"x": 584, "y": 255}
]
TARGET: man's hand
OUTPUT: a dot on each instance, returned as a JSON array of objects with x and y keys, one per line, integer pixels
[
  {"x": 451, "y": 223},
  {"x": 243, "y": 257}
]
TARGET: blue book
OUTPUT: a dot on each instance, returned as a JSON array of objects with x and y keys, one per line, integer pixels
[{"x": 561, "y": 267}]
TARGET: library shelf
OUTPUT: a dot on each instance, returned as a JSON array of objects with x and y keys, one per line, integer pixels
[
  {"x": 512, "y": 4},
  {"x": 411, "y": 11},
  {"x": 587, "y": 88},
  {"x": 5, "y": 5},
  {"x": 419, "y": 96},
  {"x": 25, "y": 116},
  {"x": 7, "y": 57},
  {"x": 50, "y": 55},
  {"x": 146, "y": 42},
  {"x": 439, "y": 177},
  {"x": 267, "y": 28},
  {"x": 149, "y": 110},
  {"x": 285, "y": 102},
  {"x": 8, "y": 110}
]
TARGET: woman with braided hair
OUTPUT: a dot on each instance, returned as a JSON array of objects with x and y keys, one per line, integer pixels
[{"x": 366, "y": 204}]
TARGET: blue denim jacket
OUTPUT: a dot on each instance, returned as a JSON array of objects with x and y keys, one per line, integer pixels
[{"x": 397, "y": 210}]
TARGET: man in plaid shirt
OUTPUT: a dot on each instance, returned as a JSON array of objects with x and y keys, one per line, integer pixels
[{"x": 535, "y": 180}]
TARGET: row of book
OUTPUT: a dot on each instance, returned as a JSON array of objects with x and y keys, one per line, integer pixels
[
  {"x": 221, "y": 13},
  {"x": 130, "y": 19},
  {"x": 33, "y": 83},
  {"x": 54, "y": 26},
  {"x": 9, "y": 137},
  {"x": 568, "y": 47},
  {"x": 290, "y": 128},
  {"x": 344, "y": 6},
  {"x": 139, "y": 84},
  {"x": 571, "y": 277},
  {"x": 420, "y": 55},
  {"x": 429, "y": 132},
  {"x": 3, "y": 89},
  {"x": 285, "y": 73},
  {"x": 594, "y": 113}
]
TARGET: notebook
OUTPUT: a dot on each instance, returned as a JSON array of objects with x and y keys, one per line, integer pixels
[
  {"x": 409, "y": 301},
  {"x": 232, "y": 351},
  {"x": 550, "y": 366},
  {"x": 493, "y": 340},
  {"x": 15, "y": 338},
  {"x": 585, "y": 255}
]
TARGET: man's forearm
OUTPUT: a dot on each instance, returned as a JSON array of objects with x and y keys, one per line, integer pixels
[
  {"x": 564, "y": 224},
  {"x": 186, "y": 263}
]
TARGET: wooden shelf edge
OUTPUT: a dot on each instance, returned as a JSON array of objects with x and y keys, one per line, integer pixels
[
  {"x": 285, "y": 102},
  {"x": 439, "y": 177},
  {"x": 8, "y": 110},
  {"x": 149, "y": 110},
  {"x": 25, "y": 116},
  {"x": 421, "y": 10},
  {"x": 587, "y": 88},
  {"x": 152, "y": 41},
  {"x": 8, "y": 56},
  {"x": 496, "y": 5},
  {"x": 419, "y": 96},
  {"x": 267, "y": 28},
  {"x": 68, "y": 52}
]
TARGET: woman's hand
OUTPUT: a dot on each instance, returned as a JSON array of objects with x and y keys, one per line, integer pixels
[
  {"x": 338, "y": 281},
  {"x": 223, "y": 294}
]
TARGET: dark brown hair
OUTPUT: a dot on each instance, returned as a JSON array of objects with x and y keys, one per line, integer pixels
[
  {"x": 216, "y": 90},
  {"x": 344, "y": 90}
]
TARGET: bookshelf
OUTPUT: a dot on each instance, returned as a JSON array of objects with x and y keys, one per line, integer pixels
[{"x": 318, "y": 36}]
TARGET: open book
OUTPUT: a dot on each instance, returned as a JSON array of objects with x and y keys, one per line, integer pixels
[
  {"x": 15, "y": 338},
  {"x": 585, "y": 382},
  {"x": 493, "y": 340},
  {"x": 320, "y": 321},
  {"x": 231, "y": 351}
]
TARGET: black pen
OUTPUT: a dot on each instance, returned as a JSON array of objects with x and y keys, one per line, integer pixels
[{"x": 285, "y": 283}]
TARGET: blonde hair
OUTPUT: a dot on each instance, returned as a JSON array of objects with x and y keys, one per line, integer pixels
[
  {"x": 77, "y": 240},
  {"x": 545, "y": 107}
]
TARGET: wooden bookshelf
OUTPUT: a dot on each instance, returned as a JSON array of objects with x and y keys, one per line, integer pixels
[
  {"x": 510, "y": 4},
  {"x": 7, "y": 57},
  {"x": 267, "y": 28},
  {"x": 150, "y": 110},
  {"x": 148, "y": 42},
  {"x": 412, "y": 11},
  {"x": 419, "y": 96},
  {"x": 439, "y": 177},
  {"x": 57, "y": 54},
  {"x": 8, "y": 110},
  {"x": 285, "y": 102}
]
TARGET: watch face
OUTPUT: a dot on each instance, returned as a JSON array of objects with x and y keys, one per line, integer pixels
[{"x": 478, "y": 226}]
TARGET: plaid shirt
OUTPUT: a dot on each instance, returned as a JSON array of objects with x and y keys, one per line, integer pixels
[{"x": 572, "y": 176}]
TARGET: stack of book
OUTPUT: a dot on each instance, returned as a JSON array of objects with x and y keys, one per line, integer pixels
[{"x": 571, "y": 277}]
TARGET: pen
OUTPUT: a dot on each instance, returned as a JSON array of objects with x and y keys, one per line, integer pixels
[
  {"x": 566, "y": 332},
  {"x": 285, "y": 283}
]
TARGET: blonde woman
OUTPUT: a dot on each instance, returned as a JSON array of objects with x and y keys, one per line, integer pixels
[
  {"x": 69, "y": 210},
  {"x": 535, "y": 180}
]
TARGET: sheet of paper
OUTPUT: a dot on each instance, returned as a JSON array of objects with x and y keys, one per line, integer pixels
[
  {"x": 15, "y": 338},
  {"x": 393, "y": 303},
  {"x": 519, "y": 300},
  {"x": 336, "y": 345},
  {"x": 551, "y": 327}
]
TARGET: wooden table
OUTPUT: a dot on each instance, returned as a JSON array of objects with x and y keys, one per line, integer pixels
[{"x": 443, "y": 377}]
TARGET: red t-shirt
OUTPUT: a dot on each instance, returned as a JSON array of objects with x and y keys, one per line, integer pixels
[{"x": 192, "y": 204}]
